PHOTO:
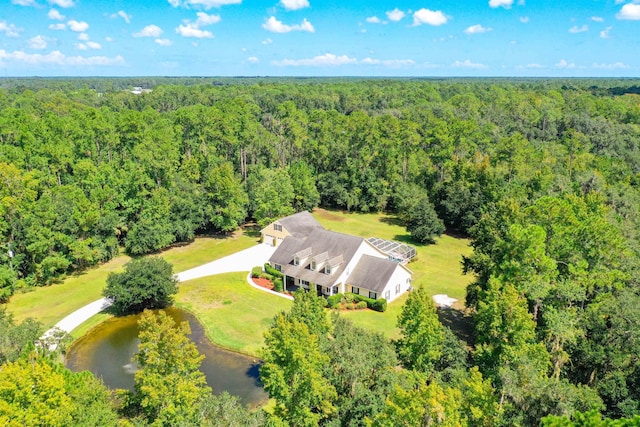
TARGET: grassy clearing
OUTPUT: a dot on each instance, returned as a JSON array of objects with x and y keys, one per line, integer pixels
[
  {"x": 438, "y": 266},
  {"x": 51, "y": 304},
  {"x": 234, "y": 314}
]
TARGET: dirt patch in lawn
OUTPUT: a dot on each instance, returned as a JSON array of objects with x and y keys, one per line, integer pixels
[
  {"x": 265, "y": 283},
  {"x": 328, "y": 215}
]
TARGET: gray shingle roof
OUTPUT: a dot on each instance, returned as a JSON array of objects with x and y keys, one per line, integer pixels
[
  {"x": 300, "y": 224},
  {"x": 372, "y": 273},
  {"x": 320, "y": 241}
]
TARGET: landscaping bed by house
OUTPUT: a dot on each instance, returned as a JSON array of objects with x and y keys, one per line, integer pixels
[{"x": 264, "y": 283}]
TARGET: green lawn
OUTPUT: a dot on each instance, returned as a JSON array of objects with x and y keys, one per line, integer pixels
[
  {"x": 438, "y": 266},
  {"x": 51, "y": 304},
  {"x": 234, "y": 314}
]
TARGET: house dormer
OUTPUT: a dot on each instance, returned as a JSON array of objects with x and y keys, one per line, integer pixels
[
  {"x": 300, "y": 257},
  {"x": 317, "y": 261},
  {"x": 332, "y": 264}
]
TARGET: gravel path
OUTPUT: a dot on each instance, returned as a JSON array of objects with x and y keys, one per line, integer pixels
[{"x": 244, "y": 260}]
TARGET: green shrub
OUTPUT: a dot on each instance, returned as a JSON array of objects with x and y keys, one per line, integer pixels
[
  {"x": 361, "y": 305},
  {"x": 379, "y": 305},
  {"x": 349, "y": 306},
  {"x": 272, "y": 271},
  {"x": 334, "y": 300},
  {"x": 256, "y": 271},
  {"x": 349, "y": 297},
  {"x": 278, "y": 285},
  {"x": 266, "y": 276}
]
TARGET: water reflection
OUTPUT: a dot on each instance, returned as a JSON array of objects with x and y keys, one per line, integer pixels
[{"x": 108, "y": 348}]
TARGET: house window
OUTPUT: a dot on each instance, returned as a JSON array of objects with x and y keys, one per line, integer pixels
[
  {"x": 304, "y": 283},
  {"x": 277, "y": 227},
  {"x": 296, "y": 260},
  {"x": 277, "y": 267},
  {"x": 335, "y": 289},
  {"x": 397, "y": 288},
  {"x": 313, "y": 265},
  {"x": 387, "y": 295},
  {"x": 355, "y": 290},
  {"x": 373, "y": 295},
  {"x": 327, "y": 269}
]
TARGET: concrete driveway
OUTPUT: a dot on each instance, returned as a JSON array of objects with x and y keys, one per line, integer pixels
[{"x": 244, "y": 260}]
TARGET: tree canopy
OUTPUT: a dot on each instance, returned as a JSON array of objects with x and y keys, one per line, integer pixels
[{"x": 146, "y": 283}]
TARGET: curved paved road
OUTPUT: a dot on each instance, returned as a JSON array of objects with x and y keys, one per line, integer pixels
[{"x": 244, "y": 260}]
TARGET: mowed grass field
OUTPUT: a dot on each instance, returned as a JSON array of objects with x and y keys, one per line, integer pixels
[
  {"x": 236, "y": 315},
  {"x": 437, "y": 267},
  {"x": 50, "y": 304}
]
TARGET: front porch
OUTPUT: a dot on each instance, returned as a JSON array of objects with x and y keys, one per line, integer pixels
[{"x": 291, "y": 284}]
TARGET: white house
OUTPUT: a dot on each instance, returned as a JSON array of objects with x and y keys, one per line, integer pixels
[{"x": 330, "y": 263}]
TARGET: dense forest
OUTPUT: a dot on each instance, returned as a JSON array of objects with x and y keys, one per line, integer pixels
[{"x": 542, "y": 175}]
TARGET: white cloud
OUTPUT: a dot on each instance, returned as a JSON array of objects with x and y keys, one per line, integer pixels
[
  {"x": 109, "y": 39},
  {"x": 501, "y": 3},
  {"x": 122, "y": 14},
  {"x": 57, "y": 57},
  {"x": 395, "y": 15},
  {"x": 430, "y": 17},
  {"x": 327, "y": 59},
  {"x": 163, "y": 42},
  {"x": 629, "y": 11},
  {"x": 9, "y": 30},
  {"x": 57, "y": 27},
  {"x": 83, "y": 36},
  {"x": 477, "y": 29},
  {"x": 564, "y": 64},
  {"x": 149, "y": 31},
  {"x": 373, "y": 20},
  {"x": 267, "y": 41},
  {"x": 275, "y": 26},
  {"x": 614, "y": 66},
  {"x": 393, "y": 63},
  {"x": 534, "y": 66},
  {"x": 82, "y": 46},
  {"x": 62, "y": 3},
  {"x": 79, "y": 27},
  {"x": 468, "y": 64},
  {"x": 575, "y": 29},
  {"x": 597, "y": 19},
  {"x": 204, "y": 19},
  {"x": 207, "y": 4},
  {"x": 37, "y": 43},
  {"x": 253, "y": 59},
  {"x": 604, "y": 34},
  {"x": 190, "y": 30},
  {"x": 294, "y": 4},
  {"x": 54, "y": 14},
  {"x": 94, "y": 45},
  {"x": 524, "y": 19},
  {"x": 24, "y": 2},
  {"x": 332, "y": 60}
]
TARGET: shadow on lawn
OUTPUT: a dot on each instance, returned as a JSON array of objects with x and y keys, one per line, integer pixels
[
  {"x": 460, "y": 323},
  {"x": 392, "y": 220}
]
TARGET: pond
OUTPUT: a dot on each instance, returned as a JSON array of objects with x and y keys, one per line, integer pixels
[{"x": 107, "y": 350}]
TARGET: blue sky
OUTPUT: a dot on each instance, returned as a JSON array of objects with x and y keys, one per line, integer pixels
[{"x": 320, "y": 38}]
